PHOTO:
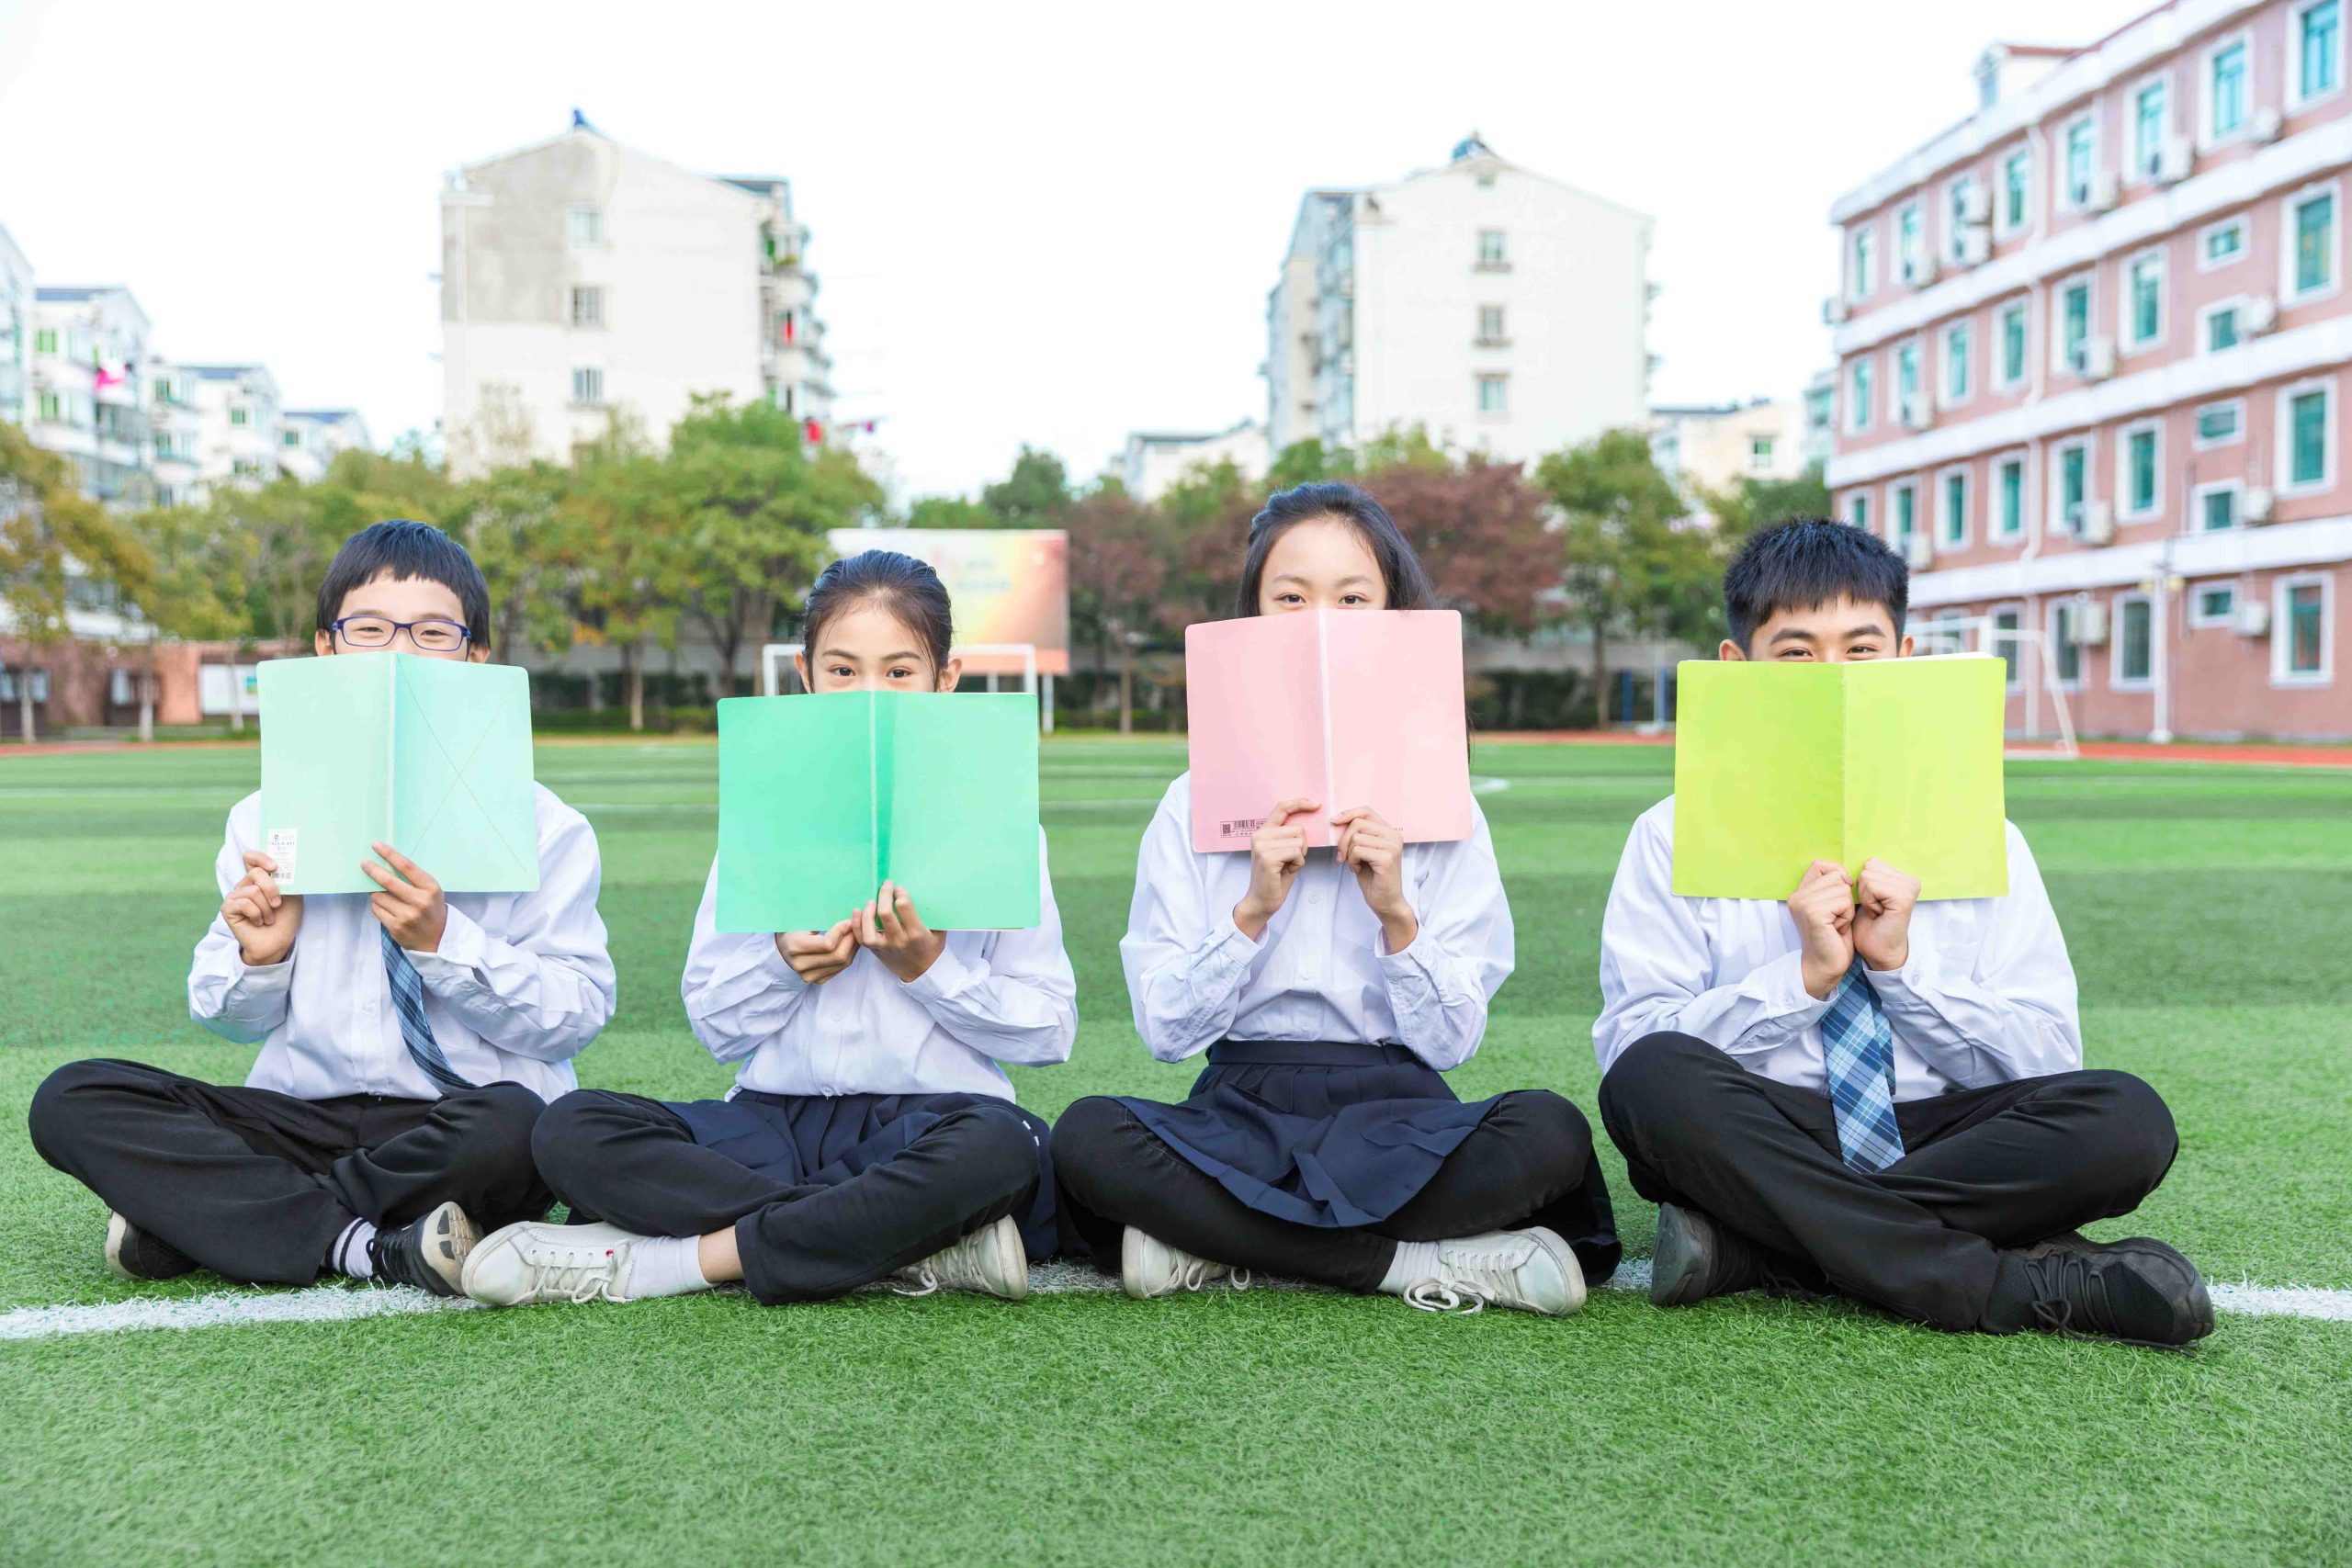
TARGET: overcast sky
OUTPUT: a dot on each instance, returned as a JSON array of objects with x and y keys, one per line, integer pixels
[{"x": 1041, "y": 223}]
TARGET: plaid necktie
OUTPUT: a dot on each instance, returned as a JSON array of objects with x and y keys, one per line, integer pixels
[
  {"x": 1858, "y": 1049},
  {"x": 416, "y": 1033}
]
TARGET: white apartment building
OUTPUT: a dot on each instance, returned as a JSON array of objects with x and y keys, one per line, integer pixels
[
  {"x": 174, "y": 426},
  {"x": 581, "y": 278},
  {"x": 87, "y": 399},
  {"x": 1154, "y": 460},
  {"x": 1494, "y": 308},
  {"x": 1715, "y": 445},
  {"x": 16, "y": 330},
  {"x": 237, "y": 422},
  {"x": 308, "y": 439}
]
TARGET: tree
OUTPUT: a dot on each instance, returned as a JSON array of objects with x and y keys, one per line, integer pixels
[
  {"x": 508, "y": 521},
  {"x": 1118, "y": 561},
  {"x": 1205, "y": 520},
  {"x": 1742, "y": 508},
  {"x": 623, "y": 534},
  {"x": 950, "y": 511},
  {"x": 55, "y": 543},
  {"x": 197, "y": 592},
  {"x": 753, "y": 508},
  {"x": 1479, "y": 532},
  {"x": 1034, "y": 495},
  {"x": 1624, "y": 562}
]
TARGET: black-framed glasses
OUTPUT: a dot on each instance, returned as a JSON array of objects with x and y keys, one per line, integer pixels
[{"x": 377, "y": 631}]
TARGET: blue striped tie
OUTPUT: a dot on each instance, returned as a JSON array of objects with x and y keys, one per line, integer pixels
[
  {"x": 1858, "y": 1049},
  {"x": 417, "y": 1032}
]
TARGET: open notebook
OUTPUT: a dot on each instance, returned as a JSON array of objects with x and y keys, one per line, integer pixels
[
  {"x": 1778, "y": 766},
  {"x": 432, "y": 756},
  {"x": 1347, "y": 707},
  {"x": 824, "y": 796}
]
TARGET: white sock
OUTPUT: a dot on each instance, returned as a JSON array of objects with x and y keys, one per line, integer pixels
[
  {"x": 665, "y": 1266},
  {"x": 348, "y": 1256},
  {"x": 1415, "y": 1261}
]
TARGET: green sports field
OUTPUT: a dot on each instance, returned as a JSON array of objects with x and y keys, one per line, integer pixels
[{"x": 2208, "y": 912}]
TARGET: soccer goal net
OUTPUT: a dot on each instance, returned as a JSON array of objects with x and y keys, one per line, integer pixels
[{"x": 2041, "y": 723}]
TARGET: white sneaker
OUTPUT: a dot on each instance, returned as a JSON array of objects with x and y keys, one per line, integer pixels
[
  {"x": 1529, "y": 1270},
  {"x": 531, "y": 1262},
  {"x": 1150, "y": 1266},
  {"x": 992, "y": 1260}
]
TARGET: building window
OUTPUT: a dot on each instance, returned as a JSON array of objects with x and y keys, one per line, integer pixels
[
  {"x": 1490, "y": 325},
  {"x": 588, "y": 384},
  {"x": 287, "y": 437},
  {"x": 2312, "y": 263},
  {"x": 1906, "y": 377},
  {"x": 2319, "y": 49},
  {"x": 2144, "y": 304},
  {"x": 1907, "y": 518},
  {"x": 1492, "y": 256},
  {"x": 585, "y": 226},
  {"x": 2013, "y": 343},
  {"x": 2299, "y": 632},
  {"x": 45, "y": 340},
  {"x": 2074, "y": 480},
  {"x": 587, "y": 307},
  {"x": 2135, "y": 655},
  {"x": 2081, "y": 154},
  {"x": 2140, "y": 480},
  {"x": 2008, "y": 497},
  {"x": 1957, "y": 196},
  {"x": 2225, "y": 103},
  {"x": 240, "y": 415},
  {"x": 1759, "y": 455},
  {"x": 1957, "y": 342},
  {"x": 2005, "y": 625},
  {"x": 1953, "y": 533},
  {"x": 1857, "y": 396},
  {"x": 2307, "y": 437},
  {"x": 2216, "y": 508},
  {"x": 2213, "y": 606},
  {"x": 2065, "y": 649},
  {"x": 1910, "y": 243},
  {"x": 2148, "y": 106},
  {"x": 1864, "y": 280},
  {"x": 2220, "y": 244},
  {"x": 2220, "y": 424},
  {"x": 1494, "y": 394},
  {"x": 2220, "y": 327},
  {"x": 2016, "y": 188},
  {"x": 2075, "y": 325},
  {"x": 1858, "y": 512}
]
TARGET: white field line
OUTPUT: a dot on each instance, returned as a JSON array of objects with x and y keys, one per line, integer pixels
[{"x": 337, "y": 1303}]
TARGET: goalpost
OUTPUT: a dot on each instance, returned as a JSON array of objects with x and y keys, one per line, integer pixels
[
  {"x": 776, "y": 671},
  {"x": 2035, "y": 676}
]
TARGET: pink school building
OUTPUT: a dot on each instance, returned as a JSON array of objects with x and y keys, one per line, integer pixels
[{"x": 2093, "y": 375}]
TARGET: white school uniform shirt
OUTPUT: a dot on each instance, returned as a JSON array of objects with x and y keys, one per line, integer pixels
[
  {"x": 1986, "y": 997},
  {"x": 1318, "y": 971},
  {"x": 518, "y": 986},
  {"x": 989, "y": 996}
]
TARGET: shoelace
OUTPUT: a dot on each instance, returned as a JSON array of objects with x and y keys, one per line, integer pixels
[
  {"x": 1465, "y": 1287},
  {"x": 2053, "y": 1308},
  {"x": 919, "y": 1281},
  {"x": 580, "y": 1274},
  {"x": 1200, "y": 1272}
]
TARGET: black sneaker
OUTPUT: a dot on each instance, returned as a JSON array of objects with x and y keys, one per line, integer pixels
[
  {"x": 134, "y": 1255},
  {"x": 1696, "y": 1259},
  {"x": 2138, "y": 1290},
  {"x": 428, "y": 1252}
]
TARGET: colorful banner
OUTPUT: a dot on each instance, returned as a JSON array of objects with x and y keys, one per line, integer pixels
[{"x": 1008, "y": 585}]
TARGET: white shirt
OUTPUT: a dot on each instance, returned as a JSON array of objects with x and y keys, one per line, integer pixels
[
  {"x": 989, "y": 996},
  {"x": 520, "y": 984},
  {"x": 1317, "y": 972},
  {"x": 1986, "y": 997}
]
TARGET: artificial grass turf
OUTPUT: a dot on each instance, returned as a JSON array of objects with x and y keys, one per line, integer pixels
[{"x": 2207, "y": 910}]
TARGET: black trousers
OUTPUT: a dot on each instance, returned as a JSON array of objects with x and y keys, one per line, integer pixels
[
  {"x": 1529, "y": 1163},
  {"x": 1931, "y": 1237},
  {"x": 634, "y": 1162},
  {"x": 255, "y": 1185}
]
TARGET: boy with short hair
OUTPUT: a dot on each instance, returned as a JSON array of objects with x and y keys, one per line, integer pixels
[
  {"x": 409, "y": 1038},
  {"x": 1856, "y": 1091}
]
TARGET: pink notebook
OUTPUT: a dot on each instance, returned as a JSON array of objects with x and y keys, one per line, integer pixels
[{"x": 1348, "y": 707}]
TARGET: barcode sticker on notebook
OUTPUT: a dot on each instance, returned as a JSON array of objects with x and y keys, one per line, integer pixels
[{"x": 1241, "y": 828}]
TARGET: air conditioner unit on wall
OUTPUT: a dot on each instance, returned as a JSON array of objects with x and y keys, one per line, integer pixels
[
  {"x": 1833, "y": 311},
  {"x": 2259, "y": 506},
  {"x": 2098, "y": 524},
  {"x": 2261, "y": 315},
  {"x": 2267, "y": 124},
  {"x": 1975, "y": 245},
  {"x": 2098, "y": 359},
  {"x": 2104, "y": 190},
  {"x": 2173, "y": 160},
  {"x": 2090, "y": 625},
  {"x": 1919, "y": 552},
  {"x": 1976, "y": 205},
  {"x": 1917, "y": 412},
  {"x": 2254, "y": 617}
]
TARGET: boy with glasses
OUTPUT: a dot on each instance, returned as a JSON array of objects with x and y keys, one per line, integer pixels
[{"x": 409, "y": 1038}]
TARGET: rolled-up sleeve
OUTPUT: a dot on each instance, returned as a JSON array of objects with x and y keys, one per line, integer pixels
[{"x": 1439, "y": 985}]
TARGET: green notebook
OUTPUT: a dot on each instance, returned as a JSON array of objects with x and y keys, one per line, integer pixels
[
  {"x": 823, "y": 797},
  {"x": 1778, "y": 766},
  {"x": 433, "y": 756}
]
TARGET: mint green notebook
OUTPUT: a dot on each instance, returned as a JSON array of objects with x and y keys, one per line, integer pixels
[
  {"x": 823, "y": 797},
  {"x": 433, "y": 756},
  {"x": 1778, "y": 766}
]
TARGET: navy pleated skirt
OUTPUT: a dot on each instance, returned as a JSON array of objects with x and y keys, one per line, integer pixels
[
  {"x": 1338, "y": 1135},
  {"x": 823, "y": 1139}
]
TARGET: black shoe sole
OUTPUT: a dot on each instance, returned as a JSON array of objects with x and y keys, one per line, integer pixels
[{"x": 1683, "y": 1259}]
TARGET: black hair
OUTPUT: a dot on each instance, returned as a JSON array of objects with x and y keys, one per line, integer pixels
[
  {"x": 1810, "y": 561},
  {"x": 1401, "y": 570},
  {"x": 401, "y": 549},
  {"x": 907, "y": 587}
]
